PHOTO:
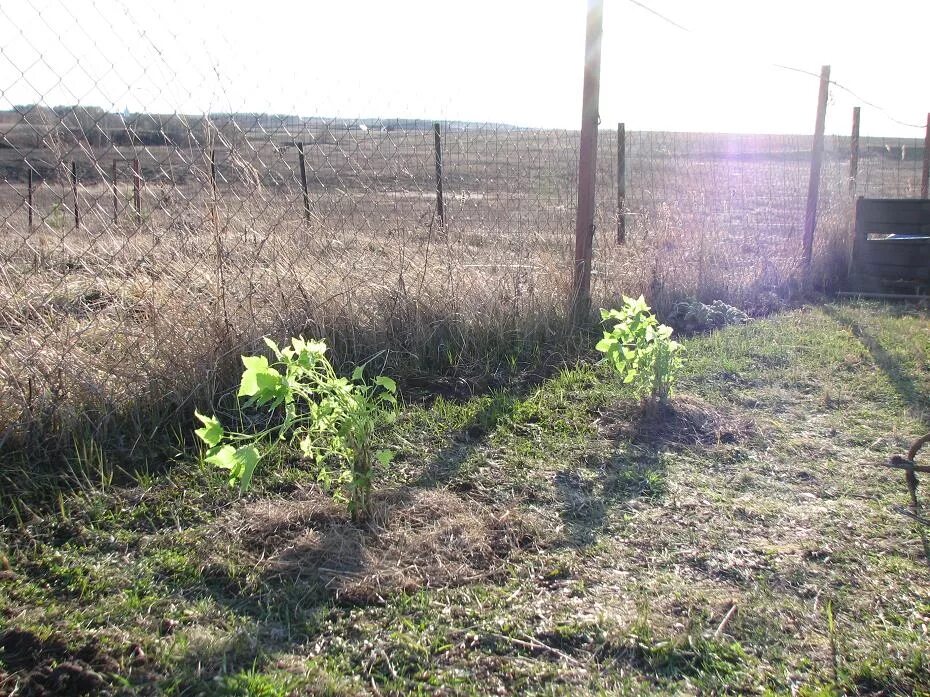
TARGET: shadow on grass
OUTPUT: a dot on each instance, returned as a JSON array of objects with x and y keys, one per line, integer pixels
[
  {"x": 899, "y": 376},
  {"x": 588, "y": 492}
]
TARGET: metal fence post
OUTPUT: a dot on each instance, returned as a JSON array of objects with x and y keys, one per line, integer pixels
[
  {"x": 213, "y": 187},
  {"x": 29, "y": 196},
  {"x": 621, "y": 182},
  {"x": 587, "y": 164},
  {"x": 74, "y": 195},
  {"x": 813, "y": 188},
  {"x": 303, "y": 181},
  {"x": 440, "y": 210},
  {"x": 137, "y": 189},
  {"x": 926, "y": 172},
  {"x": 854, "y": 152}
]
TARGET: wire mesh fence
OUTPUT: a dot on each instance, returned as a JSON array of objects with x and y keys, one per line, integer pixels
[{"x": 141, "y": 252}]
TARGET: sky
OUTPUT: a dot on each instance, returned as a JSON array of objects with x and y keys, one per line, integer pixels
[{"x": 704, "y": 65}]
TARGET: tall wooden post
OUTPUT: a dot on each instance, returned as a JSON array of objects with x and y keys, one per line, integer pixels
[
  {"x": 303, "y": 181},
  {"x": 29, "y": 208},
  {"x": 137, "y": 189},
  {"x": 854, "y": 152},
  {"x": 621, "y": 182},
  {"x": 440, "y": 208},
  {"x": 74, "y": 195},
  {"x": 587, "y": 163},
  {"x": 926, "y": 173},
  {"x": 813, "y": 188}
]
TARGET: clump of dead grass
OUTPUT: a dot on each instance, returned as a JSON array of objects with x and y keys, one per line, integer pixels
[
  {"x": 414, "y": 539},
  {"x": 682, "y": 420}
]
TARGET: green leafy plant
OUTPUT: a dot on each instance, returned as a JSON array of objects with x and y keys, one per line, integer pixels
[
  {"x": 640, "y": 349},
  {"x": 330, "y": 418}
]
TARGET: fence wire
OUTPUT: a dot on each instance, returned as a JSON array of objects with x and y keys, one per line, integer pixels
[{"x": 141, "y": 252}]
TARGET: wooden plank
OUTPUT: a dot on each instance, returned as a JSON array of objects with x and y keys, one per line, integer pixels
[
  {"x": 891, "y": 209},
  {"x": 892, "y": 272},
  {"x": 911, "y": 255},
  {"x": 895, "y": 228}
]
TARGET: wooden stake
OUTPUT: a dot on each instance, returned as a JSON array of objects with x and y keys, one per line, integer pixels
[
  {"x": 440, "y": 209},
  {"x": 587, "y": 164},
  {"x": 926, "y": 172},
  {"x": 813, "y": 188},
  {"x": 854, "y": 152},
  {"x": 621, "y": 182}
]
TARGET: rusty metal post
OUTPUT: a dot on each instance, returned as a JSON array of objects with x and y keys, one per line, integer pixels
[
  {"x": 854, "y": 151},
  {"x": 925, "y": 176},
  {"x": 621, "y": 182},
  {"x": 587, "y": 163},
  {"x": 303, "y": 180},
  {"x": 74, "y": 195},
  {"x": 440, "y": 210},
  {"x": 137, "y": 189},
  {"x": 813, "y": 188},
  {"x": 115, "y": 193},
  {"x": 213, "y": 187},
  {"x": 29, "y": 196}
]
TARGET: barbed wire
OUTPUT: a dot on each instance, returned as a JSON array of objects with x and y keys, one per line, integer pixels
[{"x": 782, "y": 66}]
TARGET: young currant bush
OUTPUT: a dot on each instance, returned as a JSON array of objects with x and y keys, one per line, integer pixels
[
  {"x": 331, "y": 419},
  {"x": 640, "y": 349}
]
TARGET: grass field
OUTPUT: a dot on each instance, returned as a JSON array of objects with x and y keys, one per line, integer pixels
[{"x": 547, "y": 538}]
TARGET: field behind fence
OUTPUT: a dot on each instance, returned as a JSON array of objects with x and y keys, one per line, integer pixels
[{"x": 142, "y": 254}]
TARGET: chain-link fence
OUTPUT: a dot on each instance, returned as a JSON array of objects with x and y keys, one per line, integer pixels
[{"x": 142, "y": 252}]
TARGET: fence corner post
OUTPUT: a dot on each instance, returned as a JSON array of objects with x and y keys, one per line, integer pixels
[{"x": 587, "y": 164}]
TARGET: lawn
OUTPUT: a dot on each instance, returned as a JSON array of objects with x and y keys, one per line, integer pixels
[{"x": 552, "y": 538}]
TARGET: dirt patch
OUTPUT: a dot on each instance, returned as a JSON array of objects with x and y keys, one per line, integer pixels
[
  {"x": 414, "y": 539},
  {"x": 682, "y": 420},
  {"x": 39, "y": 667}
]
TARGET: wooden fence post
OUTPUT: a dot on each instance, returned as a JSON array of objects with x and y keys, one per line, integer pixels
[
  {"x": 440, "y": 210},
  {"x": 29, "y": 195},
  {"x": 621, "y": 182},
  {"x": 303, "y": 181},
  {"x": 854, "y": 152},
  {"x": 587, "y": 164},
  {"x": 137, "y": 189},
  {"x": 926, "y": 173},
  {"x": 74, "y": 195},
  {"x": 813, "y": 188}
]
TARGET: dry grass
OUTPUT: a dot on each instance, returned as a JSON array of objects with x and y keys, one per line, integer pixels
[
  {"x": 414, "y": 539},
  {"x": 114, "y": 331}
]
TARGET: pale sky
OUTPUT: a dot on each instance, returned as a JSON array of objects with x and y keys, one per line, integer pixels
[{"x": 513, "y": 61}]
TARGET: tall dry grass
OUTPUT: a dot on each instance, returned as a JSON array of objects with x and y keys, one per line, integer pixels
[{"x": 111, "y": 333}]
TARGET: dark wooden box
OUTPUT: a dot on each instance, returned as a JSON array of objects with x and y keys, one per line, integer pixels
[{"x": 891, "y": 251}]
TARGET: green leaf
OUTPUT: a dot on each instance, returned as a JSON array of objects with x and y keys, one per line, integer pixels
[
  {"x": 248, "y": 457},
  {"x": 358, "y": 373},
  {"x": 387, "y": 383},
  {"x": 605, "y": 344},
  {"x": 212, "y": 431},
  {"x": 224, "y": 458},
  {"x": 384, "y": 457},
  {"x": 272, "y": 345}
]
